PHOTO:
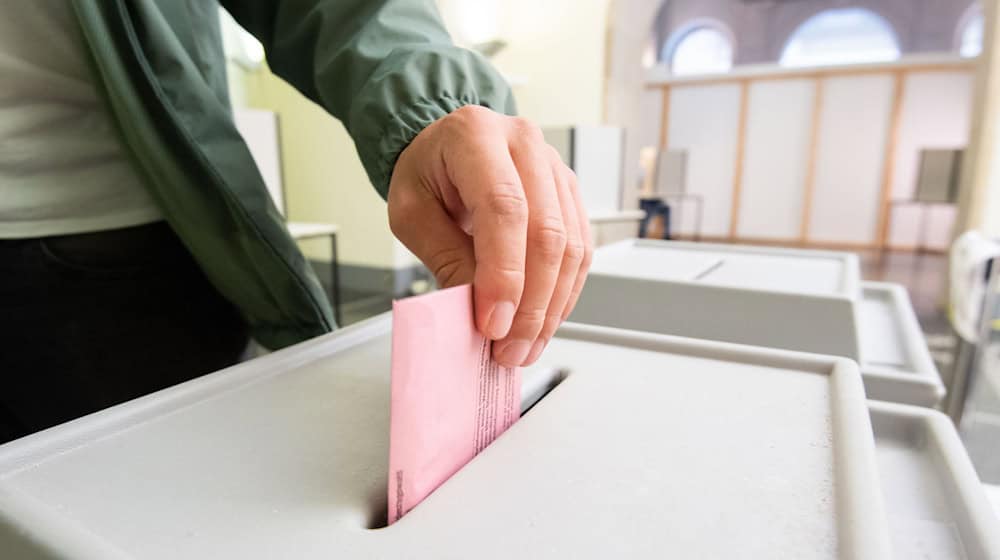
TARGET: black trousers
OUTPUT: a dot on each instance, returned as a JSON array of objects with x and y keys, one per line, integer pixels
[{"x": 92, "y": 320}]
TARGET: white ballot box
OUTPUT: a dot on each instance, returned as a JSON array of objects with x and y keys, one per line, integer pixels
[
  {"x": 895, "y": 361},
  {"x": 811, "y": 301},
  {"x": 936, "y": 505},
  {"x": 650, "y": 446}
]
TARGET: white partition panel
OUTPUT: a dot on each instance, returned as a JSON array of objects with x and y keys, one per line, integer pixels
[
  {"x": 777, "y": 147},
  {"x": 597, "y": 160},
  {"x": 935, "y": 114},
  {"x": 260, "y": 132},
  {"x": 854, "y": 124},
  {"x": 704, "y": 121}
]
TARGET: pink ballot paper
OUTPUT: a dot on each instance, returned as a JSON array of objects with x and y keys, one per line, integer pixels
[{"x": 449, "y": 398}]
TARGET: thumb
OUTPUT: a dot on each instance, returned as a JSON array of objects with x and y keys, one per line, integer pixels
[{"x": 421, "y": 223}]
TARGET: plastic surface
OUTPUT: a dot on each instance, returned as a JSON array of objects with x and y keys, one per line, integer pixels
[
  {"x": 782, "y": 298},
  {"x": 779, "y": 298},
  {"x": 936, "y": 506},
  {"x": 637, "y": 453},
  {"x": 895, "y": 362}
]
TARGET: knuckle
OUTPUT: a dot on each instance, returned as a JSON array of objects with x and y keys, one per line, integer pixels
[
  {"x": 469, "y": 117},
  {"x": 507, "y": 204},
  {"x": 507, "y": 279},
  {"x": 575, "y": 251},
  {"x": 448, "y": 274},
  {"x": 446, "y": 265},
  {"x": 528, "y": 129},
  {"x": 400, "y": 206},
  {"x": 531, "y": 316},
  {"x": 549, "y": 240}
]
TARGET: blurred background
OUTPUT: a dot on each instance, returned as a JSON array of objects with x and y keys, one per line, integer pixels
[{"x": 866, "y": 126}]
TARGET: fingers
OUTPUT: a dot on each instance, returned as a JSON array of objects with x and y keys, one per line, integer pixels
[
  {"x": 480, "y": 197},
  {"x": 572, "y": 258},
  {"x": 588, "y": 248},
  {"x": 546, "y": 245},
  {"x": 491, "y": 189},
  {"x": 417, "y": 218}
]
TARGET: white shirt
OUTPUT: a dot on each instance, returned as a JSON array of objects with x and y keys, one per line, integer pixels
[{"x": 63, "y": 167}]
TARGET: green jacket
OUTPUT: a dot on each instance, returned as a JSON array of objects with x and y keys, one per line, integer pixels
[{"x": 385, "y": 68}]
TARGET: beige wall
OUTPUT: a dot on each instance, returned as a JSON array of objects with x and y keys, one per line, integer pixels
[
  {"x": 555, "y": 54},
  {"x": 323, "y": 177},
  {"x": 630, "y": 104}
]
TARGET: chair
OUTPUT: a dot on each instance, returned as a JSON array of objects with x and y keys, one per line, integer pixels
[{"x": 670, "y": 182}]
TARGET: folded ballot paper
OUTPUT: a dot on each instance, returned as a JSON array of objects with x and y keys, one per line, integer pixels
[{"x": 449, "y": 399}]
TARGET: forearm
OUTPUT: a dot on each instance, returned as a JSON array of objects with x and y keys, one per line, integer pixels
[{"x": 385, "y": 68}]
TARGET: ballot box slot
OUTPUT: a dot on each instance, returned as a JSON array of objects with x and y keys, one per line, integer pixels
[
  {"x": 708, "y": 270},
  {"x": 537, "y": 383}
]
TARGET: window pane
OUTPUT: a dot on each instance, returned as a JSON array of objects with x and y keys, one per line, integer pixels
[
  {"x": 972, "y": 37},
  {"x": 847, "y": 36},
  {"x": 702, "y": 51}
]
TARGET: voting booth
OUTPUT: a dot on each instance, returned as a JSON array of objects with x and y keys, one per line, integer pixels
[
  {"x": 810, "y": 301},
  {"x": 631, "y": 451}
]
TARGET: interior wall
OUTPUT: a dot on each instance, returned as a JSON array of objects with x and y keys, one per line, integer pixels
[
  {"x": 324, "y": 180},
  {"x": 830, "y": 194},
  {"x": 555, "y": 53},
  {"x": 630, "y": 103},
  {"x": 936, "y": 110},
  {"x": 778, "y": 127},
  {"x": 702, "y": 123},
  {"x": 847, "y": 187}
]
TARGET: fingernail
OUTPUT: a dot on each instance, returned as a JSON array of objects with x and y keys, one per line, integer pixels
[
  {"x": 512, "y": 354},
  {"x": 501, "y": 319},
  {"x": 536, "y": 351}
]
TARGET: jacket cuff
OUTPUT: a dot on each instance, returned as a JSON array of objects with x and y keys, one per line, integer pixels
[{"x": 407, "y": 95}]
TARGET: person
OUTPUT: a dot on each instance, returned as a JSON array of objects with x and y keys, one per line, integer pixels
[{"x": 138, "y": 246}]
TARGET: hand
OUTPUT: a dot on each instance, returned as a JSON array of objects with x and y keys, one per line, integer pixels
[{"x": 480, "y": 197}]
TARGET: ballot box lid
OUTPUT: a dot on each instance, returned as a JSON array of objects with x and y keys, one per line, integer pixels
[
  {"x": 895, "y": 361},
  {"x": 936, "y": 505},
  {"x": 772, "y": 269},
  {"x": 759, "y": 296},
  {"x": 651, "y": 446}
]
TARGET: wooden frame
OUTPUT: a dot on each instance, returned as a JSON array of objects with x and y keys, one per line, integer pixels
[
  {"x": 747, "y": 77},
  {"x": 810, "y": 180},
  {"x": 889, "y": 163},
  {"x": 665, "y": 116},
  {"x": 741, "y": 151},
  {"x": 777, "y": 73}
]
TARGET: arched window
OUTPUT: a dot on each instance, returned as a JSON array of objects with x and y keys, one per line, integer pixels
[
  {"x": 970, "y": 32},
  {"x": 842, "y": 36},
  {"x": 699, "y": 49}
]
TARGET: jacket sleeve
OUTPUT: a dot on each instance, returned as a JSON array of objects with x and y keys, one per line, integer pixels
[{"x": 385, "y": 68}]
